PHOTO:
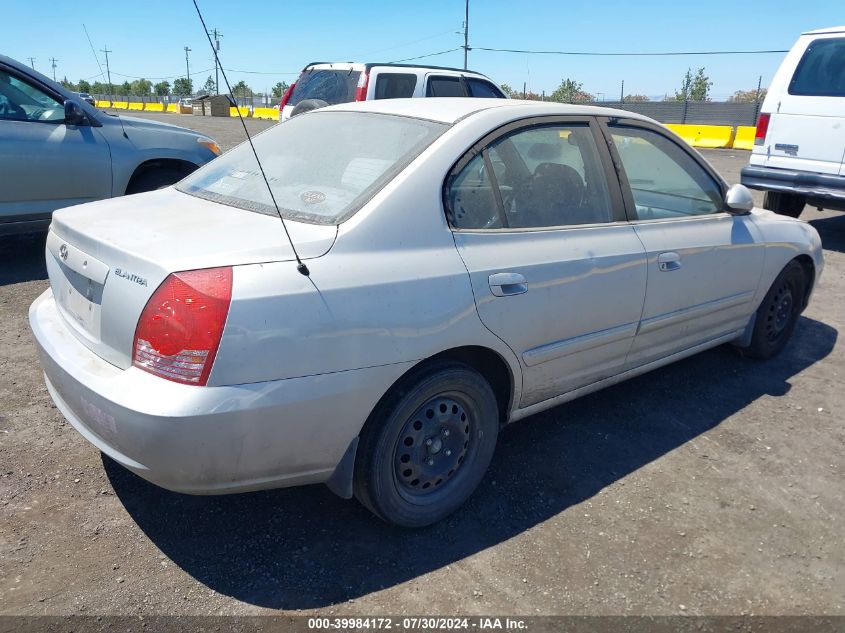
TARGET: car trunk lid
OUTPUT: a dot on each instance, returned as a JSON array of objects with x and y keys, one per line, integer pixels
[{"x": 106, "y": 259}]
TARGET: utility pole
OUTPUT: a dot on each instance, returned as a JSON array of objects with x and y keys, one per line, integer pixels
[
  {"x": 108, "y": 70},
  {"x": 31, "y": 62},
  {"x": 622, "y": 93},
  {"x": 54, "y": 60},
  {"x": 188, "y": 67},
  {"x": 466, "y": 34},
  {"x": 216, "y": 35}
]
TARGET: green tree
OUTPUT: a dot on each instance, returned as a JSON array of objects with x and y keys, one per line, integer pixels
[
  {"x": 569, "y": 91},
  {"x": 508, "y": 90},
  {"x": 141, "y": 87},
  {"x": 183, "y": 87},
  {"x": 70, "y": 86},
  {"x": 210, "y": 86},
  {"x": 636, "y": 98},
  {"x": 99, "y": 88},
  {"x": 83, "y": 86},
  {"x": 240, "y": 89},
  {"x": 748, "y": 96},
  {"x": 694, "y": 87},
  {"x": 280, "y": 88},
  {"x": 162, "y": 88},
  {"x": 124, "y": 89}
]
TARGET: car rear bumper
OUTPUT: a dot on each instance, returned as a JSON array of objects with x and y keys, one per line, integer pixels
[
  {"x": 206, "y": 440},
  {"x": 812, "y": 185}
]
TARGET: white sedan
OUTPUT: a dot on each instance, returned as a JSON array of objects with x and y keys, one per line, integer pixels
[{"x": 466, "y": 263}]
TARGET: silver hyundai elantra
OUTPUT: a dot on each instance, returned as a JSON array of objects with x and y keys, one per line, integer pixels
[{"x": 465, "y": 263}]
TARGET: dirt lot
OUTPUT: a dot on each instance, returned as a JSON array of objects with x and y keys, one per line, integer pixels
[{"x": 712, "y": 486}]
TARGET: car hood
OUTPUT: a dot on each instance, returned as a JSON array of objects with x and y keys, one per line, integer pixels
[{"x": 150, "y": 125}]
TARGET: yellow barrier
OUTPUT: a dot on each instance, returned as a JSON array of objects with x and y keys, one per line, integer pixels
[
  {"x": 744, "y": 138},
  {"x": 136, "y": 106},
  {"x": 265, "y": 113},
  {"x": 711, "y": 136},
  {"x": 154, "y": 107},
  {"x": 234, "y": 112},
  {"x": 119, "y": 105},
  {"x": 103, "y": 104}
]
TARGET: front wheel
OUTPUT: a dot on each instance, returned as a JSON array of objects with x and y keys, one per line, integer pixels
[
  {"x": 426, "y": 448},
  {"x": 779, "y": 312}
]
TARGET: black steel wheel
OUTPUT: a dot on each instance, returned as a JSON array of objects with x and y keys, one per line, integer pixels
[
  {"x": 427, "y": 446},
  {"x": 778, "y": 313}
]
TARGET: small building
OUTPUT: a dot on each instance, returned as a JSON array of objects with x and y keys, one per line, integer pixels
[{"x": 211, "y": 105}]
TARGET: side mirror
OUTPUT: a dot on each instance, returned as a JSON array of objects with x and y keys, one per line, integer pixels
[
  {"x": 74, "y": 114},
  {"x": 739, "y": 200}
]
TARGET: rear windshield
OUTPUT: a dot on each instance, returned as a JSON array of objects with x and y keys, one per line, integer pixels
[
  {"x": 322, "y": 166},
  {"x": 821, "y": 71},
  {"x": 331, "y": 86}
]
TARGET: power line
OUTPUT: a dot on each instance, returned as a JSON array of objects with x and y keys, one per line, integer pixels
[
  {"x": 649, "y": 54},
  {"x": 408, "y": 59},
  {"x": 96, "y": 59}
]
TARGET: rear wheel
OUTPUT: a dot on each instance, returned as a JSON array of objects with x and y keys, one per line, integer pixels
[
  {"x": 427, "y": 447},
  {"x": 779, "y": 312},
  {"x": 790, "y": 204}
]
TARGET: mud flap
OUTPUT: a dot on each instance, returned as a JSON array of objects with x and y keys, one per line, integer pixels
[{"x": 340, "y": 482}]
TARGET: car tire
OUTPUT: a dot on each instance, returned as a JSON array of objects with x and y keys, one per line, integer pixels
[
  {"x": 427, "y": 445},
  {"x": 790, "y": 204},
  {"x": 306, "y": 105},
  {"x": 778, "y": 313},
  {"x": 157, "y": 178}
]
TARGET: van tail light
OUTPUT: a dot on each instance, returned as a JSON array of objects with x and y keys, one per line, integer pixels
[
  {"x": 762, "y": 128},
  {"x": 286, "y": 96},
  {"x": 180, "y": 327},
  {"x": 363, "y": 84}
]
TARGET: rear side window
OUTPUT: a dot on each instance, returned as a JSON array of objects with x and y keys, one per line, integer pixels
[
  {"x": 395, "y": 85},
  {"x": 484, "y": 89},
  {"x": 821, "y": 71},
  {"x": 445, "y": 87},
  {"x": 331, "y": 86}
]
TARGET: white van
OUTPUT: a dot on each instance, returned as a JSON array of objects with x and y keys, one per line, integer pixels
[
  {"x": 799, "y": 147},
  {"x": 323, "y": 83}
]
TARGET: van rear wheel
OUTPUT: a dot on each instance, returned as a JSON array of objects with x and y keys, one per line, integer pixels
[{"x": 790, "y": 204}]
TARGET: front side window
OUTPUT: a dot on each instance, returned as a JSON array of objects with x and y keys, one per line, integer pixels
[
  {"x": 321, "y": 167},
  {"x": 821, "y": 71},
  {"x": 19, "y": 101},
  {"x": 445, "y": 87},
  {"x": 544, "y": 176},
  {"x": 395, "y": 85},
  {"x": 666, "y": 182},
  {"x": 483, "y": 89}
]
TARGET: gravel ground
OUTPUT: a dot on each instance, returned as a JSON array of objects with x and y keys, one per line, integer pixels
[{"x": 712, "y": 486}]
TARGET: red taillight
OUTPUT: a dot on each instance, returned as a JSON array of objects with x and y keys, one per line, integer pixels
[
  {"x": 180, "y": 328},
  {"x": 286, "y": 96},
  {"x": 363, "y": 83},
  {"x": 762, "y": 128}
]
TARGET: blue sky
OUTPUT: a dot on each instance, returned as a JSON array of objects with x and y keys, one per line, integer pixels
[{"x": 275, "y": 39}]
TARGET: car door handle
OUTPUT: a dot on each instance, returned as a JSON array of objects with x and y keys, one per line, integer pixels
[
  {"x": 506, "y": 284},
  {"x": 667, "y": 262}
]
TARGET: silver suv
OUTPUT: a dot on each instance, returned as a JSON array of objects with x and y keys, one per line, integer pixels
[
  {"x": 56, "y": 150},
  {"x": 329, "y": 83}
]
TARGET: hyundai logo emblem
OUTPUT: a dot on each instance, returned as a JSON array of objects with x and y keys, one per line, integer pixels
[{"x": 63, "y": 252}]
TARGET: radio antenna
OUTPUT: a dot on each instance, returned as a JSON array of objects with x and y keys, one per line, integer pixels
[{"x": 300, "y": 266}]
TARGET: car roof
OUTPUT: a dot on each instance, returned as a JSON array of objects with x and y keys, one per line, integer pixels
[
  {"x": 830, "y": 29},
  {"x": 452, "y": 109},
  {"x": 368, "y": 65}
]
